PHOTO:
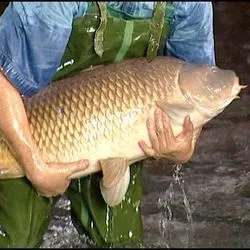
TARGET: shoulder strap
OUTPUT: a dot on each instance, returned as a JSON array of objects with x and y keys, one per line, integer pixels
[
  {"x": 156, "y": 30},
  {"x": 98, "y": 40}
]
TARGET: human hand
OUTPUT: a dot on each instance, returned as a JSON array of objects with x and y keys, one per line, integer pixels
[
  {"x": 52, "y": 179},
  {"x": 163, "y": 143}
]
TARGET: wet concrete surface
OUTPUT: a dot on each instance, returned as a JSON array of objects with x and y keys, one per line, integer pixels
[{"x": 216, "y": 182}]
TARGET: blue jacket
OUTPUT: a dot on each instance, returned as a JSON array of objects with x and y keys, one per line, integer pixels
[{"x": 34, "y": 35}]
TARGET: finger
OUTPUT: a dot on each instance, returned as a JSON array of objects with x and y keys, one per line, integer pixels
[
  {"x": 78, "y": 166},
  {"x": 70, "y": 168},
  {"x": 187, "y": 132},
  {"x": 188, "y": 127},
  {"x": 60, "y": 190},
  {"x": 47, "y": 195},
  {"x": 197, "y": 132},
  {"x": 152, "y": 134},
  {"x": 167, "y": 127},
  {"x": 159, "y": 127},
  {"x": 146, "y": 149}
]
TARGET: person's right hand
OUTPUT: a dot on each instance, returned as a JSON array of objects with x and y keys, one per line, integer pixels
[{"x": 52, "y": 179}]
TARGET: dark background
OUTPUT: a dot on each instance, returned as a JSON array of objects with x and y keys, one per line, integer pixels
[{"x": 232, "y": 37}]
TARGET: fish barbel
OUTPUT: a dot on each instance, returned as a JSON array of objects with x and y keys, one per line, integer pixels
[{"x": 100, "y": 114}]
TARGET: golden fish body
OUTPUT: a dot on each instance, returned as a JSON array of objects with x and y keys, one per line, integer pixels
[{"x": 100, "y": 114}]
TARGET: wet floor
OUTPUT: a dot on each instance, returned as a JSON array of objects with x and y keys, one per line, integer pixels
[{"x": 210, "y": 205}]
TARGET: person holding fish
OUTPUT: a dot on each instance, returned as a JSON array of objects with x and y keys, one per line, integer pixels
[{"x": 41, "y": 42}]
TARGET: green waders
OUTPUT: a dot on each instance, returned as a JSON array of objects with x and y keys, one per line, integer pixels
[{"x": 104, "y": 35}]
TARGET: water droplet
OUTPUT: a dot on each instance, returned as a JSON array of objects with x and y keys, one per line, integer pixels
[
  {"x": 137, "y": 209},
  {"x": 79, "y": 185},
  {"x": 130, "y": 234},
  {"x": 92, "y": 224},
  {"x": 108, "y": 222},
  {"x": 2, "y": 231},
  {"x": 107, "y": 217}
]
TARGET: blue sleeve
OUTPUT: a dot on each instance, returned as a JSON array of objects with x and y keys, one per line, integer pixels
[
  {"x": 191, "y": 36},
  {"x": 33, "y": 38}
]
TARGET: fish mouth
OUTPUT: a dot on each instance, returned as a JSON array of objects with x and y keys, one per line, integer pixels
[{"x": 237, "y": 88}]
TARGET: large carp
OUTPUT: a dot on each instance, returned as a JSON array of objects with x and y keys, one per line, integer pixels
[{"x": 100, "y": 114}]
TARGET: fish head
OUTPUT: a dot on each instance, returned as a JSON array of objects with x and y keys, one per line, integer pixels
[
  {"x": 203, "y": 92},
  {"x": 208, "y": 89}
]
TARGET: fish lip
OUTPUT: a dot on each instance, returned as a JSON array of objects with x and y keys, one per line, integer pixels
[{"x": 237, "y": 87}]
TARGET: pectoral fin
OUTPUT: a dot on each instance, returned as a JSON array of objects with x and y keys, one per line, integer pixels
[{"x": 115, "y": 181}]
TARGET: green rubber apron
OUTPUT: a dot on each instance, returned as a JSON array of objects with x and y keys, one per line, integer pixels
[{"x": 104, "y": 35}]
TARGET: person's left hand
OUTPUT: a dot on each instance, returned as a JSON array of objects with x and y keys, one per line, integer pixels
[{"x": 164, "y": 144}]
